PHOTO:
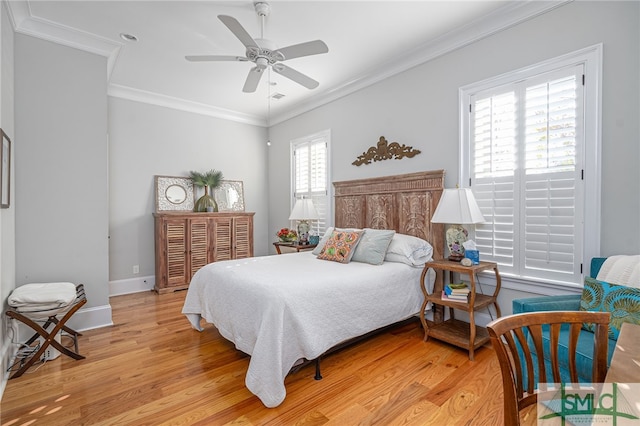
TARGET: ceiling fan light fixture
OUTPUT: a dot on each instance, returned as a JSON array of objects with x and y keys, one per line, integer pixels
[{"x": 262, "y": 63}]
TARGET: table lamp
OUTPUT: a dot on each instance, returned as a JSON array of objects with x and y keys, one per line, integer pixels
[
  {"x": 303, "y": 211},
  {"x": 457, "y": 207}
]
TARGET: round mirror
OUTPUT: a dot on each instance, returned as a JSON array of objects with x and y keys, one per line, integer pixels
[{"x": 175, "y": 194}]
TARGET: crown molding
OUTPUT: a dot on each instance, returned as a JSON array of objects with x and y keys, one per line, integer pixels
[
  {"x": 25, "y": 23},
  {"x": 132, "y": 94},
  {"x": 511, "y": 14}
]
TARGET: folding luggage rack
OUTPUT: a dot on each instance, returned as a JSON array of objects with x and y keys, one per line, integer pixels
[{"x": 48, "y": 317}]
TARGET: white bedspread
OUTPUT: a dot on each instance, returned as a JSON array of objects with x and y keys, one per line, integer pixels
[{"x": 282, "y": 308}]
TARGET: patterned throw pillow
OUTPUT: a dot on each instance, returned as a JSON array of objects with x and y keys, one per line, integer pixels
[
  {"x": 622, "y": 302},
  {"x": 340, "y": 246}
]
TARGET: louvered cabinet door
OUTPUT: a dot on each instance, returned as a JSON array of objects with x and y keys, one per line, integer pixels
[
  {"x": 198, "y": 245},
  {"x": 222, "y": 235},
  {"x": 176, "y": 253},
  {"x": 171, "y": 253},
  {"x": 242, "y": 237}
]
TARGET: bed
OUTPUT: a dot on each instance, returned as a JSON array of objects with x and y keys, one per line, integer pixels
[{"x": 281, "y": 309}]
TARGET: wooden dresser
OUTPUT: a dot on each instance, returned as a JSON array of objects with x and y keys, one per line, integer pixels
[{"x": 187, "y": 241}]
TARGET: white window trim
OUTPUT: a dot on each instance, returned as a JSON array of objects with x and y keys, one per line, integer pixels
[
  {"x": 591, "y": 58},
  {"x": 326, "y": 134}
]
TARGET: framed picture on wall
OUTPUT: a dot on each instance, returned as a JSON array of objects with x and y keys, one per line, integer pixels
[{"x": 5, "y": 172}]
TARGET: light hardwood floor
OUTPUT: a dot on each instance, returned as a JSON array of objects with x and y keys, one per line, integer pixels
[{"x": 151, "y": 368}]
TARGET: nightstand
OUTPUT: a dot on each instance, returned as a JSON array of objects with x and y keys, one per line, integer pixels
[
  {"x": 459, "y": 333},
  {"x": 294, "y": 245}
]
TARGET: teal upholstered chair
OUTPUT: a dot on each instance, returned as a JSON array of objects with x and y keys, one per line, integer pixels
[{"x": 570, "y": 302}]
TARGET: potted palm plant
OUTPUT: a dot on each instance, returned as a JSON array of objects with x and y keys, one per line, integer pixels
[{"x": 209, "y": 181}]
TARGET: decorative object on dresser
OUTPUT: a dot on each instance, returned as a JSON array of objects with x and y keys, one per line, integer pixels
[
  {"x": 385, "y": 151},
  {"x": 304, "y": 211},
  {"x": 174, "y": 193},
  {"x": 457, "y": 207},
  {"x": 5, "y": 171},
  {"x": 230, "y": 196},
  {"x": 185, "y": 242},
  {"x": 209, "y": 181}
]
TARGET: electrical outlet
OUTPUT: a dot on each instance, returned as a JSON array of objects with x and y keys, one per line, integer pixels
[{"x": 136, "y": 269}]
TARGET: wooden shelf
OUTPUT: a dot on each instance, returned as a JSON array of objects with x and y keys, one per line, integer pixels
[
  {"x": 481, "y": 302},
  {"x": 459, "y": 333}
]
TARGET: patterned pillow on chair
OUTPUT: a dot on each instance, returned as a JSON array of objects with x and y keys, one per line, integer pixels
[{"x": 622, "y": 302}]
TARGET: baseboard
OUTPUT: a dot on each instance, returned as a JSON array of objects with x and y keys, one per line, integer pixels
[
  {"x": 131, "y": 285},
  {"x": 90, "y": 318},
  {"x": 8, "y": 354}
]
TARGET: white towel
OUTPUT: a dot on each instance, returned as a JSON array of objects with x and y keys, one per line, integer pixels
[
  {"x": 42, "y": 295},
  {"x": 623, "y": 270}
]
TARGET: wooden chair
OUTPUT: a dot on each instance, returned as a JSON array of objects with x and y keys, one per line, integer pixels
[
  {"x": 59, "y": 317},
  {"x": 511, "y": 337}
]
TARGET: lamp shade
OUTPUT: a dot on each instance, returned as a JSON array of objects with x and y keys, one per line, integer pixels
[
  {"x": 304, "y": 210},
  {"x": 457, "y": 206}
]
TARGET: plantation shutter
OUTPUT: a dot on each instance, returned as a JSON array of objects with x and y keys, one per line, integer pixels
[
  {"x": 311, "y": 178},
  {"x": 525, "y": 148}
]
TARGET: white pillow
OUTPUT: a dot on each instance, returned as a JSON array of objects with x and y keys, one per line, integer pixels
[
  {"x": 408, "y": 249},
  {"x": 373, "y": 246}
]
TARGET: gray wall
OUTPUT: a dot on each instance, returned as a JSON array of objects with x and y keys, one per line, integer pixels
[
  {"x": 7, "y": 216},
  {"x": 147, "y": 140},
  {"x": 61, "y": 167},
  {"x": 420, "y": 108}
]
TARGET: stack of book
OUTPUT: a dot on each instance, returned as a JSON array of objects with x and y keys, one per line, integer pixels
[{"x": 458, "y": 292}]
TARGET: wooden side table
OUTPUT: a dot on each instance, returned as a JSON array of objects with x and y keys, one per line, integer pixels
[
  {"x": 459, "y": 333},
  {"x": 294, "y": 245}
]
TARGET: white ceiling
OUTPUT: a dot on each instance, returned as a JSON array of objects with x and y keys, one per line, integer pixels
[{"x": 367, "y": 40}]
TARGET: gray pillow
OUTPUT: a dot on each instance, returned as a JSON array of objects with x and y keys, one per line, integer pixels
[
  {"x": 373, "y": 246},
  {"x": 327, "y": 234}
]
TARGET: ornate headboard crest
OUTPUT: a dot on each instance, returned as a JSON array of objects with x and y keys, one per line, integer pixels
[{"x": 386, "y": 151}]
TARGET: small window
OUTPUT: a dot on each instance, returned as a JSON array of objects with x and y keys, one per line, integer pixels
[{"x": 310, "y": 175}]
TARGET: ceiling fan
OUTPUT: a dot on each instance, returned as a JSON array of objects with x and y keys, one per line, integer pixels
[{"x": 263, "y": 53}]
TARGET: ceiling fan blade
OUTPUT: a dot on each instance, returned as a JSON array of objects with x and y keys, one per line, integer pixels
[
  {"x": 251, "y": 84},
  {"x": 296, "y": 76},
  {"x": 314, "y": 47},
  {"x": 207, "y": 58},
  {"x": 238, "y": 30}
]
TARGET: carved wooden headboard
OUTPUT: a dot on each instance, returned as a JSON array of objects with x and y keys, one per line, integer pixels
[{"x": 404, "y": 203}]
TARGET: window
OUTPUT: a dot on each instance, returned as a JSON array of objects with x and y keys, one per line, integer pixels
[
  {"x": 310, "y": 175},
  {"x": 530, "y": 154}
]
